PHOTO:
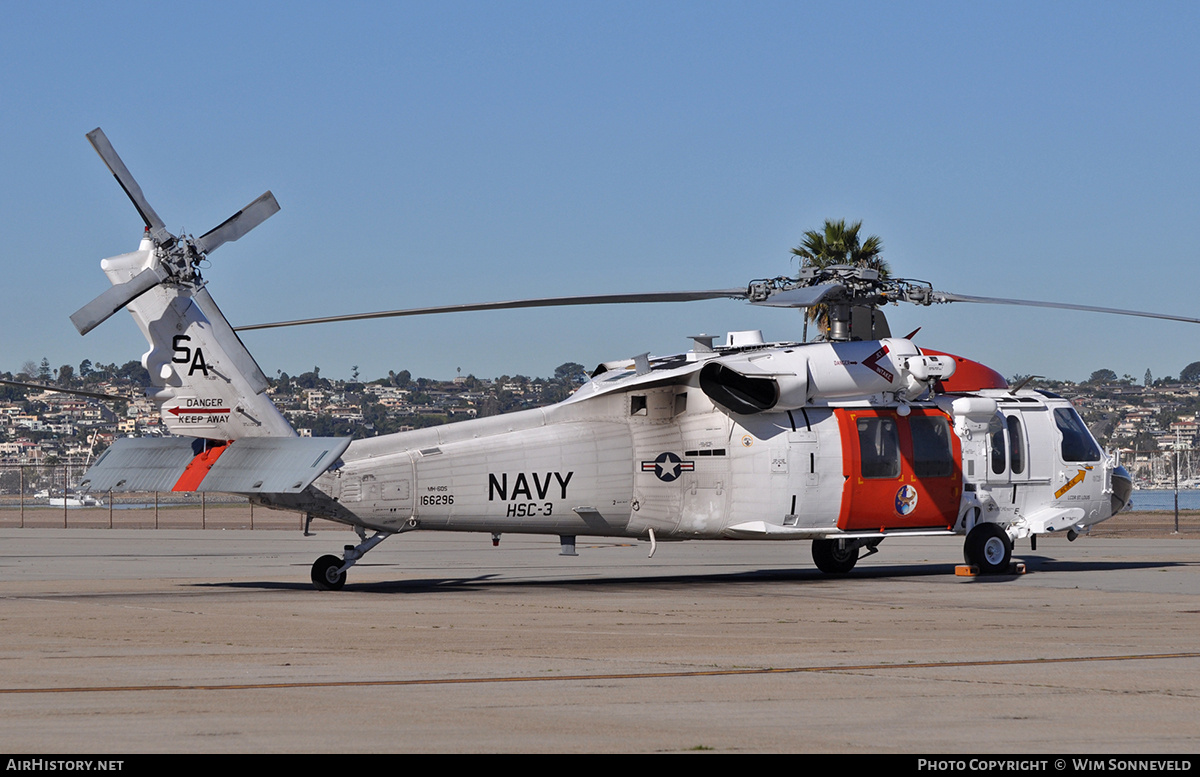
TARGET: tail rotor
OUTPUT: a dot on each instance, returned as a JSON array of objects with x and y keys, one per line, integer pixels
[{"x": 176, "y": 258}]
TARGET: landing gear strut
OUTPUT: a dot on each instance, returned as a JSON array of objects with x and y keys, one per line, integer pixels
[{"x": 329, "y": 572}]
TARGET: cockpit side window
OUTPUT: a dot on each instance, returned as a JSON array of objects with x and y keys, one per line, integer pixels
[
  {"x": 1077, "y": 442},
  {"x": 996, "y": 439}
]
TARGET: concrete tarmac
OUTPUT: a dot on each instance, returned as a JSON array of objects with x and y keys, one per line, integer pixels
[{"x": 126, "y": 641}]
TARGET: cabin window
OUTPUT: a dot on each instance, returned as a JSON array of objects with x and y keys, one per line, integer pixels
[
  {"x": 879, "y": 447},
  {"x": 1077, "y": 442},
  {"x": 637, "y": 405},
  {"x": 680, "y": 404},
  {"x": 1016, "y": 445},
  {"x": 932, "y": 455}
]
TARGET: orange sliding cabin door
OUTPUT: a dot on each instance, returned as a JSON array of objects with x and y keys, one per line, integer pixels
[{"x": 902, "y": 472}]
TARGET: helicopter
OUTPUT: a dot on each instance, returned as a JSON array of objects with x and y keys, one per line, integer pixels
[{"x": 843, "y": 442}]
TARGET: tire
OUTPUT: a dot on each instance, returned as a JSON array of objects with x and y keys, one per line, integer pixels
[
  {"x": 989, "y": 548},
  {"x": 833, "y": 560},
  {"x": 325, "y": 575}
]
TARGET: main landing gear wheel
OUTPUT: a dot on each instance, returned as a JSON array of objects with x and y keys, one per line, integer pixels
[
  {"x": 832, "y": 559},
  {"x": 989, "y": 548},
  {"x": 325, "y": 574}
]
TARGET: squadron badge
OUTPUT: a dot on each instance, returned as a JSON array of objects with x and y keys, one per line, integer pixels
[{"x": 906, "y": 500}]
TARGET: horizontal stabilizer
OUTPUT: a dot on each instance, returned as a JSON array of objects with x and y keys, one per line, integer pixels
[
  {"x": 254, "y": 465},
  {"x": 273, "y": 465},
  {"x": 141, "y": 464}
]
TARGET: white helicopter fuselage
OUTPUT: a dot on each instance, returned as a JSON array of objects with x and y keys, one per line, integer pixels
[
  {"x": 841, "y": 443},
  {"x": 632, "y": 455}
]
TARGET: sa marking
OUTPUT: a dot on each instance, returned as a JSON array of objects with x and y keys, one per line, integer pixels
[{"x": 185, "y": 355}]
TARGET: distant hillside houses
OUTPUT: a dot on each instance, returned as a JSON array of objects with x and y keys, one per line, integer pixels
[{"x": 38, "y": 426}]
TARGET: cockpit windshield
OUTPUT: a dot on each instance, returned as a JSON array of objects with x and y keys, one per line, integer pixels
[{"x": 1077, "y": 442}]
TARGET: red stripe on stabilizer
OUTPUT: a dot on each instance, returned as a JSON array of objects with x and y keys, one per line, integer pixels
[{"x": 197, "y": 469}]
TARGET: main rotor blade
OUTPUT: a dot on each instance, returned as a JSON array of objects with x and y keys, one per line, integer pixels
[
  {"x": 113, "y": 299},
  {"x": 134, "y": 192},
  {"x": 238, "y": 224},
  {"x": 540, "y": 302},
  {"x": 945, "y": 296}
]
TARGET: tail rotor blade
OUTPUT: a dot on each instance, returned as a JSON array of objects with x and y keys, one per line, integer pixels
[
  {"x": 113, "y": 299},
  {"x": 100, "y": 142},
  {"x": 238, "y": 224}
]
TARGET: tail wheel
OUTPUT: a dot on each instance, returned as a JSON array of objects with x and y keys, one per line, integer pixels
[
  {"x": 834, "y": 558},
  {"x": 325, "y": 574},
  {"x": 989, "y": 548}
]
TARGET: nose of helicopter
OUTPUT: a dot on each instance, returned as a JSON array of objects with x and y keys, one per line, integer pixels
[{"x": 1122, "y": 489}]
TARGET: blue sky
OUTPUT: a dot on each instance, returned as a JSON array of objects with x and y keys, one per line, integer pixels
[{"x": 437, "y": 153}]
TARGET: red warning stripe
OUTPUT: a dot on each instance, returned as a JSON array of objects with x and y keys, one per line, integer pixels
[{"x": 197, "y": 469}]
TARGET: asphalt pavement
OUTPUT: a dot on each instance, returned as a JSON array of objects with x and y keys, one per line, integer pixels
[{"x": 130, "y": 641}]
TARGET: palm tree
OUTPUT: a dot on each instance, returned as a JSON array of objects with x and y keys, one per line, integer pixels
[{"x": 838, "y": 244}]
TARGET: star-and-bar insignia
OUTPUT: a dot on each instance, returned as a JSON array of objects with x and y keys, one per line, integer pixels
[{"x": 668, "y": 466}]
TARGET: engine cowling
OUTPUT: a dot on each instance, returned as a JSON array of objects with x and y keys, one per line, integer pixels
[{"x": 791, "y": 378}]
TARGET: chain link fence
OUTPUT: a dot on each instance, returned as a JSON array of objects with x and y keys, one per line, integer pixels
[{"x": 46, "y": 496}]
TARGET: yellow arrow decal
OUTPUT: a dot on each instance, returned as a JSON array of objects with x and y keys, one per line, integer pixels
[{"x": 1071, "y": 483}]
